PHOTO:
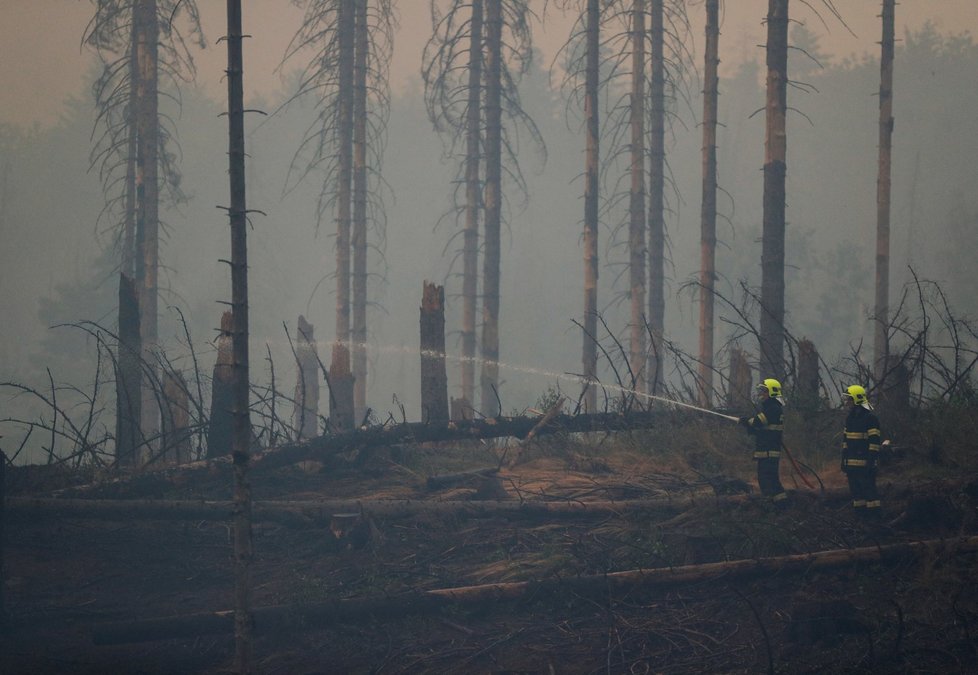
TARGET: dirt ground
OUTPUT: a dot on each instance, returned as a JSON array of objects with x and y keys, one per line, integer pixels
[{"x": 67, "y": 579}]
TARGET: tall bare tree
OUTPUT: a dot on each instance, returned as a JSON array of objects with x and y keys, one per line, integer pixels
[
  {"x": 775, "y": 152},
  {"x": 882, "y": 311},
  {"x": 139, "y": 42},
  {"x": 465, "y": 90},
  {"x": 708, "y": 207},
  {"x": 241, "y": 424},
  {"x": 351, "y": 43},
  {"x": 589, "y": 355},
  {"x": 637, "y": 216}
]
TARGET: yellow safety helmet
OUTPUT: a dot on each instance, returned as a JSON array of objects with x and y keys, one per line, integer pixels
[
  {"x": 858, "y": 395},
  {"x": 772, "y": 386}
]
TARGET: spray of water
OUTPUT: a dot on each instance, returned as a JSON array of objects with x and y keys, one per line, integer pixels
[{"x": 529, "y": 370}]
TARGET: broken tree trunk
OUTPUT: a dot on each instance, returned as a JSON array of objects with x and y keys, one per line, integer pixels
[
  {"x": 739, "y": 385},
  {"x": 219, "y": 431},
  {"x": 340, "y": 384},
  {"x": 306, "y": 411},
  {"x": 176, "y": 423},
  {"x": 807, "y": 388},
  {"x": 298, "y": 617},
  {"x": 434, "y": 377},
  {"x": 128, "y": 375}
]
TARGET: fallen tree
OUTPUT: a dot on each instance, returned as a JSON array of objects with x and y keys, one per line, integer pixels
[
  {"x": 307, "y": 616},
  {"x": 314, "y": 511}
]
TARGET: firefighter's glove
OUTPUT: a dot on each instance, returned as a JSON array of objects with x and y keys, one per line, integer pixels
[{"x": 745, "y": 421}]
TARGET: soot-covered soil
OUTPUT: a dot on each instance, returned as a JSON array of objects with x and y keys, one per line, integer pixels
[{"x": 67, "y": 578}]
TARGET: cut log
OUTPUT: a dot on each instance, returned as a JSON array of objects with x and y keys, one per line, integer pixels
[{"x": 313, "y": 615}]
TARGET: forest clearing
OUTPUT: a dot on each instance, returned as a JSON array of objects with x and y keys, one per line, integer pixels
[{"x": 365, "y": 562}]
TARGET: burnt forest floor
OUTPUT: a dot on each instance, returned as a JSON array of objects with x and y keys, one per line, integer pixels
[{"x": 65, "y": 577}]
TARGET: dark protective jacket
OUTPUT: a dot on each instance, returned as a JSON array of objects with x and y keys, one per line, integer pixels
[
  {"x": 861, "y": 444},
  {"x": 767, "y": 428}
]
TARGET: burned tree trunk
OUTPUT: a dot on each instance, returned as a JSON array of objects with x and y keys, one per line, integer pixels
[
  {"x": 882, "y": 310},
  {"x": 807, "y": 391},
  {"x": 657, "y": 178},
  {"x": 359, "y": 237},
  {"x": 219, "y": 428},
  {"x": 636, "y": 202},
  {"x": 340, "y": 383},
  {"x": 775, "y": 152},
  {"x": 589, "y": 354},
  {"x": 306, "y": 412},
  {"x": 708, "y": 209},
  {"x": 739, "y": 385},
  {"x": 473, "y": 205},
  {"x": 241, "y": 419},
  {"x": 176, "y": 421},
  {"x": 489, "y": 380},
  {"x": 434, "y": 377},
  {"x": 128, "y": 375}
]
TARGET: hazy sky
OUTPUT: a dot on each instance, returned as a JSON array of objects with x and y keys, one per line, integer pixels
[{"x": 42, "y": 62}]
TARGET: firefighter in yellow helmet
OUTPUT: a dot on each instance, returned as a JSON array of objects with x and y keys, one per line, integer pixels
[
  {"x": 860, "y": 451},
  {"x": 767, "y": 427}
]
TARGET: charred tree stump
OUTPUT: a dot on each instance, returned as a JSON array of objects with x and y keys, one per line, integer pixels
[
  {"x": 306, "y": 409},
  {"x": 128, "y": 375},
  {"x": 434, "y": 378},
  {"x": 806, "y": 394},
  {"x": 340, "y": 382},
  {"x": 461, "y": 409},
  {"x": 739, "y": 386},
  {"x": 219, "y": 429},
  {"x": 176, "y": 423}
]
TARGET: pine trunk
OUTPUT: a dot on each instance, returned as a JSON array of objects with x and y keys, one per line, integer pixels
[
  {"x": 882, "y": 310},
  {"x": 344, "y": 134},
  {"x": 359, "y": 349},
  {"x": 657, "y": 230},
  {"x": 775, "y": 153},
  {"x": 493, "y": 209},
  {"x": 128, "y": 375},
  {"x": 147, "y": 195},
  {"x": 592, "y": 153},
  {"x": 473, "y": 204},
  {"x": 708, "y": 213},
  {"x": 241, "y": 420},
  {"x": 636, "y": 201},
  {"x": 434, "y": 379}
]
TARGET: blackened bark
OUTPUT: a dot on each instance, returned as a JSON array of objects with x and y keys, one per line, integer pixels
[
  {"x": 589, "y": 354},
  {"x": 473, "y": 205},
  {"x": 636, "y": 203},
  {"x": 128, "y": 376},
  {"x": 489, "y": 380},
  {"x": 882, "y": 310},
  {"x": 657, "y": 176},
  {"x": 772, "y": 236},
  {"x": 708, "y": 209},
  {"x": 434, "y": 378},
  {"x": 241, "y": 420},
  {"x": 359, "y": 239}
]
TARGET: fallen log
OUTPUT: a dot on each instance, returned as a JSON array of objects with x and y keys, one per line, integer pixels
[
  {"x": 307, "y": 616},
  {"x": 421, "y": 432},
  {"x": 307, "y": 512}
]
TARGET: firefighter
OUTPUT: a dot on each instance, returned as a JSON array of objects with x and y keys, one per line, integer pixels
[
  {"x": 860, "y": 451},
  {"x": 767, "y": 428}
]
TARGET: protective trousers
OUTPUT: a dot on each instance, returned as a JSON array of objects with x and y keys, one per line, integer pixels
[
  {"x": 769, "y": 479},
  {"x": 862, "y": 487}
]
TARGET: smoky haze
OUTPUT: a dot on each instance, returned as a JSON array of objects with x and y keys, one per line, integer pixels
[{"x": 57, "y": 269}]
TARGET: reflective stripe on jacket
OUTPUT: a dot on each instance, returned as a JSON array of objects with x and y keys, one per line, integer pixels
[
  {"x": 861, "y": 444},
  {"x": 767, "y": 428}
]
